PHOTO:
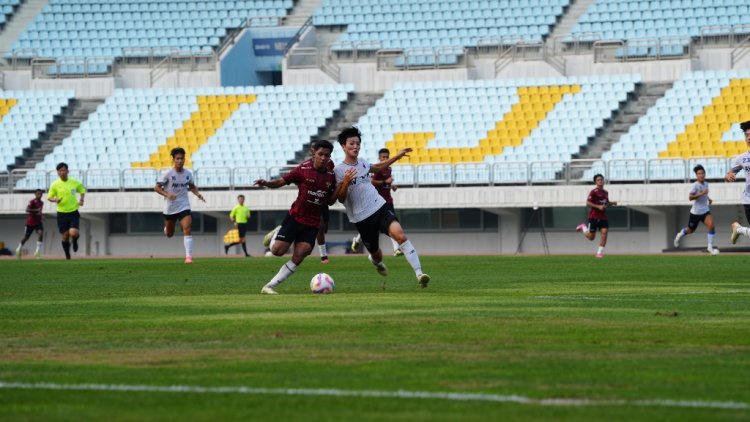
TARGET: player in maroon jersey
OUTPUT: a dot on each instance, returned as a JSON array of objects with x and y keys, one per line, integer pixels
[
  {"x": 598, "y": 202},
  {"x": 383, "y": 182},
  {"x": 34, "y": 224},
  {"x": 317, "y": 187}
]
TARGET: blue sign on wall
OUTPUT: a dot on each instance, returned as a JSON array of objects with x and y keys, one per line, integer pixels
[{"x": 270, "y": 46}]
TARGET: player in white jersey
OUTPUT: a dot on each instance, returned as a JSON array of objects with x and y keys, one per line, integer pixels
[
  {"x": 367, "y": 209},
  {"x": 174, "y": 185},
  {"x": 739, "y": 163},
  {"x": 700, "y": 211}
]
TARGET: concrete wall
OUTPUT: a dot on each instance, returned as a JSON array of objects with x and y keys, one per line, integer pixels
[{"x": 666, "y": 205}]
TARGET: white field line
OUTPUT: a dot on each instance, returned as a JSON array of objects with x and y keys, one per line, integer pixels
[{"x": 400, "y": 394}]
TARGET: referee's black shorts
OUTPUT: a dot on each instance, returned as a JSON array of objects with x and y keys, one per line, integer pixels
[{"x": 68, "y": 220}]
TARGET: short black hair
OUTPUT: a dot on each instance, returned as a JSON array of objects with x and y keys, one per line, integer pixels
[
  {"x": 698, "y": 167},
  {"x": 61, "y": 165},
  {"x": 384, "y": 151},
  {"x": 597, "y": 175},
  {"x": 177, "y": 150},
  {"x": 745, "y": 126},
  {"x": 348, "y": 133},
  {"x": 240, "y": 196},
  {"x": 322, "y": 144},
  {"x": 39, "y": 190}
]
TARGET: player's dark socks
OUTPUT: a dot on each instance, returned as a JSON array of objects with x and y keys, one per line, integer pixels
[
  {"x": 75, "y": 244},
  {"x": 226, "y": 249},
  {"x": 244, "y": 249},
  {"x": 66, "y": 249}
]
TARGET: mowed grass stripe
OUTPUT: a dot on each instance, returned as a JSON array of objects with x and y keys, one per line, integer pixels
[{"x": 624, "y": 328}]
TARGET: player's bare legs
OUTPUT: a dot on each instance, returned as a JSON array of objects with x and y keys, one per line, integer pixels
[
  {"x": 300, "y": 252},
  {"x": 396, "y": 232},
  {"x": 186, "y": 223},
  {"x": 169, "y": 227}
]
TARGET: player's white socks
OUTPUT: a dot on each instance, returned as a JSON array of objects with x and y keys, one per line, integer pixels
[
  {"x": 323, "y": 250},
  {"x": 411, "y": 256},
  {"x": 395, "y": 245},
  {"x": 745, "y": 231},
  {"x": 38, "y": 246},
  {"x": 711, "y": 235},
  {"x": 600, "y": 250},
  {"x": 286, "y": 270},
  {"x": 188, "y": 241},
  {"x": 20, "y": 245}
]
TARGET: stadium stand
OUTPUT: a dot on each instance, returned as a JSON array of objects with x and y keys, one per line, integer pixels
[
  {"x": 627, "y": 20},
  {"x": 478, "y": 123},
  {"x": 23, "y": 114},
  {"x": 221, "y": 129},
  {"x": 436, "y": 23},
  {"x": 111, "y": 28},
  {"x": 7, "y": 8},
  {"x": 696, "y": 118}
]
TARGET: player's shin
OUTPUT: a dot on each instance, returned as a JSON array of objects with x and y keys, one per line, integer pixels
[
  {"x": 188, "y": 242},
  {"x": 285, "y": 271},
  {"x": 411, "y": 256}
]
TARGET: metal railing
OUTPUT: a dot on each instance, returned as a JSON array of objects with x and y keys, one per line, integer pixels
[
  {"x": 641, "y": 49},
  {"x": 723, "y": 36},
  {"x": 657, "y": 170},
  {"x": 741, "y": 51}
]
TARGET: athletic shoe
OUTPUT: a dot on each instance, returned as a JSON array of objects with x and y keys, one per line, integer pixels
[
  {"x": 398, "y": 252},
  {"x": 75, "y": 244},
  {"x": 324, "y": 259},
  {"x": 269, "y": 236},
  {"x": 712, "y": 251},
  {"x": 735, "y": 232},
  {"x": 18, "y": 253},
  {"x": 423, "y": 279},
  {"x": 600, "y": 254},
  {"x": 188, "y": 259},
  {"x": 382, "y": 269},
  {"x": 355, "y": 244},
  {"x": 677, "y": 240},
  {"x": 268, "y": 291},
  {"x": 38, "y": 255},
  {"x": 581, "y": 227},
  {"x": 226, "y": 249}
]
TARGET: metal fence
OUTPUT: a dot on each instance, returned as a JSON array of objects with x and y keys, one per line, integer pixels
[{"x": 669, "y": 170}]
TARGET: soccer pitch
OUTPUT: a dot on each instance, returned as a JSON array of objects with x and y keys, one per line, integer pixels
[{"x": 492, "y": 338}]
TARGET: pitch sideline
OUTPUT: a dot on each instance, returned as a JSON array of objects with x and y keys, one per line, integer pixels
[{"x": 401, "y": 394}]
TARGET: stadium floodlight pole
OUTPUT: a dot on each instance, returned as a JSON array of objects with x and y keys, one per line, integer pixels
[{"x": 536, "y": 214}]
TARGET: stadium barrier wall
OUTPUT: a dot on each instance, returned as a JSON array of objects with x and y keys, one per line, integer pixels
[{"x": 666, "y": 205}]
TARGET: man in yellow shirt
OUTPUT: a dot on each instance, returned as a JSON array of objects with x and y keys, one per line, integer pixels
[
  {"x": 63, "y": 192},
  {"x": 239, "y": 216}
]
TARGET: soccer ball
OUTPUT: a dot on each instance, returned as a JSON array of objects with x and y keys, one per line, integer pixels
[
  {"x": 321, "y": 284},
  {"x": 714, "y": 251}
]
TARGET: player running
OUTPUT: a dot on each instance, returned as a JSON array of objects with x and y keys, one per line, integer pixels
[
  {"x": 63, "y": 191},
  {"x": 316, "y": 187},
  {"x": 598, "y": 201},
  {"x": 33, "y": 224},
  {"x": 239, "y": 216},
  {"x": 739, "y": 163},
  {"x": 700, "y": 211},
  {"x": 383, "y": 182},
  {"x": 367, "y": 209},
  {"x": 173, "y": 185}
]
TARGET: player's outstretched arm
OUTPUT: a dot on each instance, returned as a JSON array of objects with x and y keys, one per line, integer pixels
[
  {"x": 731, "y": 175},
  {"x": 195, "y": 191},
  {"x": 374, "y": 168},
  {"x": 272, "y": 184}
]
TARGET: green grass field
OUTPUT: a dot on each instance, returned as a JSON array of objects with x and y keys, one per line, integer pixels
[{"x": 629, "y": 337}]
